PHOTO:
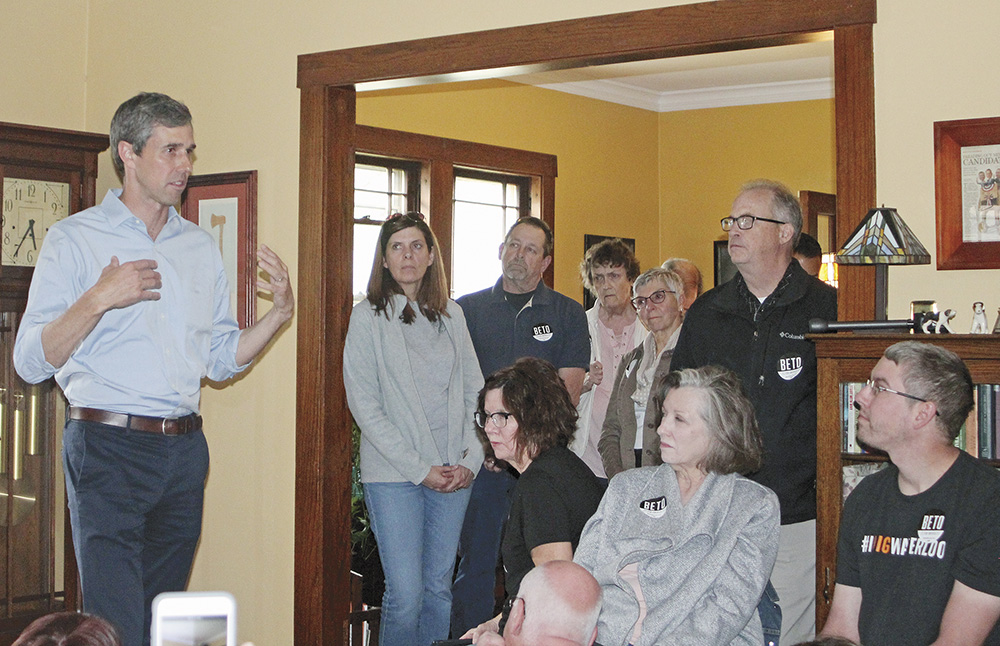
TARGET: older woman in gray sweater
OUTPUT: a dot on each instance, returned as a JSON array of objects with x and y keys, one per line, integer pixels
[{"x": 684, "y": 550}]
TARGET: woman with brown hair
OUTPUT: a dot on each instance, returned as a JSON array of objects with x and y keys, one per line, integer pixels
[
  {"x": 412, "y": 378},
  {"x": 69, "y": 629},
  {"x": 526, "y": 415}
]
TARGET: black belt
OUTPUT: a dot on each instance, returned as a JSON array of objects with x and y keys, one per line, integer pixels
[{"x": 159, "y": 425}]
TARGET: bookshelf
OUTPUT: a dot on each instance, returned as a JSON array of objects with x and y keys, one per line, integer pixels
[{"x": 849, "y": 357}]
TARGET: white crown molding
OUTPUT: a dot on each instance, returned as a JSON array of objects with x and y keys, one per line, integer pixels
[{"x": 715, "y": 97}]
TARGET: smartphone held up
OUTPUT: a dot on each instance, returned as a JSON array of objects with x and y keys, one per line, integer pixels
[{"x": 194, "y": 619}]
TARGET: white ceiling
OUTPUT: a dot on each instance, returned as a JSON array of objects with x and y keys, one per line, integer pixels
[{"x": 770, "y": 75}]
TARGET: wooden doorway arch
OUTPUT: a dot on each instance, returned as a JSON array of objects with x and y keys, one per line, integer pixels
[{"x": 327, "y": 126}]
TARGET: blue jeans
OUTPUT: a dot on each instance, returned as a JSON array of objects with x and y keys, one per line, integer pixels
[
  {"x": 478, "y": 550},
  {"x": 417, "y": 530},
  {"x": 770, "y": 615},
  {"x": 135, "y": 505}
]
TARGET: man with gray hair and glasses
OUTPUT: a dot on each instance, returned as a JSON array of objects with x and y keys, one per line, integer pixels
[
  {"x": 918, "y": 559},
  {"x": 557, "y": 604},
  {"x": 755, "y": 325}
]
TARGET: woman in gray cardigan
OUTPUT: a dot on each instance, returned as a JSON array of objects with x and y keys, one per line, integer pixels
[
  {"x": 684, "y": 550},
  {"x": 658, "y": 300},
  {"x": 412, "y": 379}
]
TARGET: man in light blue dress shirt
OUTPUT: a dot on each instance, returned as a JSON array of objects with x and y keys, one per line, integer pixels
[{"x": 129, "y": 310}]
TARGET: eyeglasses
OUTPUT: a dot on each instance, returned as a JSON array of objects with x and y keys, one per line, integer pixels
[
  {"x": 882, "y": 389},
  {"x": 656, "y": 298},
  {"x": 744, "y": 222},
  {"x": 499, "y": 419}
]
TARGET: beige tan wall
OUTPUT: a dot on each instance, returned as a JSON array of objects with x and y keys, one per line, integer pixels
[
  {"x": 928, "y": 62},
  {"x": 706, "y": 155},
  {"x": 234, "y": 63},
  {"x": 43, "y": 54}
]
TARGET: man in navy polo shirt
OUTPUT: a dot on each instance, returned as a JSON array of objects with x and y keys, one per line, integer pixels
[{"x": 517, "y": 317}]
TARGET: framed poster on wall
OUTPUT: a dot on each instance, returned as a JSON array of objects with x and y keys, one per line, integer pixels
[
  {"x": 225, "y": 205},
  {"x": 724, "y": 267},
  {"x": 967, "y": 193}
]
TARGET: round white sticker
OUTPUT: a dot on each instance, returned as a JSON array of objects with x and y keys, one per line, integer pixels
[
  {"x": 789, "y": 366},
  {"x": 542, "y": 332}
]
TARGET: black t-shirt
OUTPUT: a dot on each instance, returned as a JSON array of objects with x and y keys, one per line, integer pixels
[
  {"x": 905, "y": 552},
  {"x": 551, "y": 502}
]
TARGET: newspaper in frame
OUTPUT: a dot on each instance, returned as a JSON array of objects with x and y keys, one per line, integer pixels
[{"x": 981, "y": 193}]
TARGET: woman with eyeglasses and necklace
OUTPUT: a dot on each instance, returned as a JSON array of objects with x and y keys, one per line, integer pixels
[
  {"x": 526, "y": 415},
  {"x": 656, "y": 299},
  {"x": 412, "y": 379}
]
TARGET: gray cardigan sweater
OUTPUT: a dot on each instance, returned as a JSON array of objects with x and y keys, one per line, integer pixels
[
  {"x": 702, "y": 566},
  {"x": 617, "y": 443},
  {"x": 396, "y": 441}
]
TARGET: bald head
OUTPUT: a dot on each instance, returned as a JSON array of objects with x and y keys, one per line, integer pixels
[
  {"x": 690, "y": 276},
  {"x": 560, "y": 605}
]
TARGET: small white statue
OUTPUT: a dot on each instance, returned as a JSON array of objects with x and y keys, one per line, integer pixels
[
  {"x": 938, "y": 322},
  {"x": 979, "y": 323}
]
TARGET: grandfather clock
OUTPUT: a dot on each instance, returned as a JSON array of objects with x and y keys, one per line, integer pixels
[{"x": 46, "y": 175}]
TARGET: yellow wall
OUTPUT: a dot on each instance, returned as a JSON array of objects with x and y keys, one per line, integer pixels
[
  {"x": 663, "y": 179},
  {"x": 706, "y": 155},
  {"x": 69, "y": 63},
  {"x": 606, "y": 154}
]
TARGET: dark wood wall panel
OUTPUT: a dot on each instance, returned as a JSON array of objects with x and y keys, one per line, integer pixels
[
  {"x": 854, "y": 103},
  {"x": 323, "y": 433}
]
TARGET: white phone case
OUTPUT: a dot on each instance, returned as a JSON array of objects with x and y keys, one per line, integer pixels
[{"x": 194, "y": 619}]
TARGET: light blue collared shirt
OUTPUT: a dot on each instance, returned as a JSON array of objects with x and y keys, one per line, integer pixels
[{"x": 148, "y": 358}]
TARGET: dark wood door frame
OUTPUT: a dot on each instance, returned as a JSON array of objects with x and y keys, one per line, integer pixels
[
  {"x": 326, "y": 153},
  {"x": 815, "y": 204}
]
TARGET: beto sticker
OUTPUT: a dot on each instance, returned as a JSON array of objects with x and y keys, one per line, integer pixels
[
  {"x": 654, "y": 507},
  {"x": 542, "y": 332},
  {"x": 789, "y": 366}
]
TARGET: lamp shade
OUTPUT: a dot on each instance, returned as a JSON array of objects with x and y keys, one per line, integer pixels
[{"x": 883, "y": 238}]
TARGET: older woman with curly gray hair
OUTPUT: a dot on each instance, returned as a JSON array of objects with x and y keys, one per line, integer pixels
[
  {"x": 608, "y": 270},
  {"x": 683, "y": 551}
]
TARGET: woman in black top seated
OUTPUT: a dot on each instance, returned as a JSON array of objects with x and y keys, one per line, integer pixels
[{"x": 526, "y": 415}]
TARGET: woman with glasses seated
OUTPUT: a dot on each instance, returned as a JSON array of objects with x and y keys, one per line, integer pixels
[
  {"x": 412, "y": 379},
  {"x": 526, "y": 415},
  {"x": 622, "y": 446},
  {"x": 683, "y": 551}
]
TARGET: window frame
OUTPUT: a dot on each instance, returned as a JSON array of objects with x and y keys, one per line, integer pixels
[
  {"x": 412, "y": 168},
  {"x": 439, "y": 157}
]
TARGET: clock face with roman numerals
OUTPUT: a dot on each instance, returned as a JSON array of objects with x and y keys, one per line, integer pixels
[{"x": 30, "y": 207}]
